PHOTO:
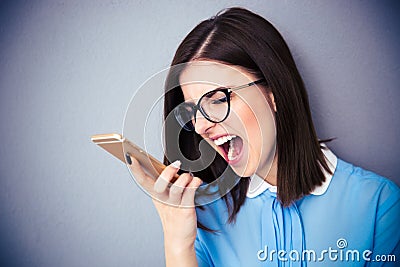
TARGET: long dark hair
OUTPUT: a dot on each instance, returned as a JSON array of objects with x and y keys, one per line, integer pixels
[{"x": 239, "y": 37}]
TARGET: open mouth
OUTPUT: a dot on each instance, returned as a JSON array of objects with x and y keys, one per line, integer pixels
[{"x": 231, "y": 146}]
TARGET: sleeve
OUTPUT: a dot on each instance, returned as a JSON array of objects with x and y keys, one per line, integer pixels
[
  {"x": 387, "y": 234},
  {"x": 203, "y": 258}
]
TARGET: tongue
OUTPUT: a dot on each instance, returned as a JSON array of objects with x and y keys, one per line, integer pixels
[{"x": 234, "y": 148}]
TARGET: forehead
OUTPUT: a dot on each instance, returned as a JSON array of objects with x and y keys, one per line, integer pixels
[{"x": 200, "y": 77}]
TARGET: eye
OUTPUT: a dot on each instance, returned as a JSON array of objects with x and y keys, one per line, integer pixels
[
  {"x": 221, "y": 100},
  {"x": 216, "y": 97}
]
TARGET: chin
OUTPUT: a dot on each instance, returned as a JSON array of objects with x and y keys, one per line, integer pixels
[{"x": 245, "y": 171}]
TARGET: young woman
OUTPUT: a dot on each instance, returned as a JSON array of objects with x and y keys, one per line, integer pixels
[{"x": 274, "y": 195}]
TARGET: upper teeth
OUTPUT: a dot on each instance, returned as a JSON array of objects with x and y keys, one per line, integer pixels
[{"x": 223, "y": 139}]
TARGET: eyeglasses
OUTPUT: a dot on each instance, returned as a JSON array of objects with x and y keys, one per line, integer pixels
[{"x": 214, "y": 106}]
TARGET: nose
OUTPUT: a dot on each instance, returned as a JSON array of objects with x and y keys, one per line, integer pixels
[{"x": 202, "y": 125}]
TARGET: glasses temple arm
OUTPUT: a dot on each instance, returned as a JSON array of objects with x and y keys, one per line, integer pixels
[{"x": 246, "y": 85}]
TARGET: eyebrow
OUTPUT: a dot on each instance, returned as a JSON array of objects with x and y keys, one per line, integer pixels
[
  {"x": 217, "y": 88},
  {"x": 212, "y": 92}
]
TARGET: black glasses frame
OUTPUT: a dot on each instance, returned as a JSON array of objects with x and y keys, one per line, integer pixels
[{"x": 188, "y": 126}]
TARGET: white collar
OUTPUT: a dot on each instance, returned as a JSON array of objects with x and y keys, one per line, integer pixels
[{"x": 258, "y": 185}]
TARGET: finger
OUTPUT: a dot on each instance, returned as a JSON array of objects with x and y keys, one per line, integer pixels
[
  {"x": 176, "y": 190},
  {"x": 189, "y": 193},
  {"x": 166, "y": 176},
  {"x": 137, "y": 171}
]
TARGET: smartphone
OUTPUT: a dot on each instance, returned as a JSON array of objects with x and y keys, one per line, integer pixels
[{"x": 118, "y": 146}]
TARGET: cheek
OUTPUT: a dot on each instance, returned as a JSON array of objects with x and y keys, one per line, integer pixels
[
  {"x": 249, "y": 122},
  {"x": 252, "y": 124},
  {"x": 258, "y": 124}
]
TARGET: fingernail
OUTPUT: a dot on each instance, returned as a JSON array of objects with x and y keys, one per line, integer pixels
[
  {"x": 128, "y": 158},
  {"x": 176, "y": 164},
  {"x": 191, "y": 174}
]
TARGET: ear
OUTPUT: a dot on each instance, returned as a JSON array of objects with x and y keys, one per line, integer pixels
[{"x": 272, "y": 100}]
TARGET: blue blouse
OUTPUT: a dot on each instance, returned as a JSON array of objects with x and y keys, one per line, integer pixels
[{"x": 351, "y": 220}]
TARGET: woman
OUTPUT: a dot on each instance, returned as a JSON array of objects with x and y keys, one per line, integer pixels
[{"x": 283, "y": 198}]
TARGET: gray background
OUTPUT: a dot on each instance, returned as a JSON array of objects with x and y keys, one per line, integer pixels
[{"x": 69, "y": 69}]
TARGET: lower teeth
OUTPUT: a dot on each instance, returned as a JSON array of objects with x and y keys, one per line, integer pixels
[{"x": 231, "y": 149}]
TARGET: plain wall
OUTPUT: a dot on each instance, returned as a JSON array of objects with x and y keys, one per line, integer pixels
[{"x": 68, "y": 69}]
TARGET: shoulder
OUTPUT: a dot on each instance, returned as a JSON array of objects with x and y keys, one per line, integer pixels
[
  {"x": 359, "y": 182},
  {"x": 352, "y": 174},
  {"x": 374, "y": 201}
]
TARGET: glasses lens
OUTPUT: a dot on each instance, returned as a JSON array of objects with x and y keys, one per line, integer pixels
[
  {"x": 214, "y": 105},
  {"x": 184, "y": 115}
]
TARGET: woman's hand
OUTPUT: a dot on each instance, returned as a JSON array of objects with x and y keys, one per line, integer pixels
[{"x": 175, "y": 206}]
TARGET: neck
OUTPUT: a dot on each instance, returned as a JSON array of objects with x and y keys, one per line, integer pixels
[{"x": 272, "y": 173}]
